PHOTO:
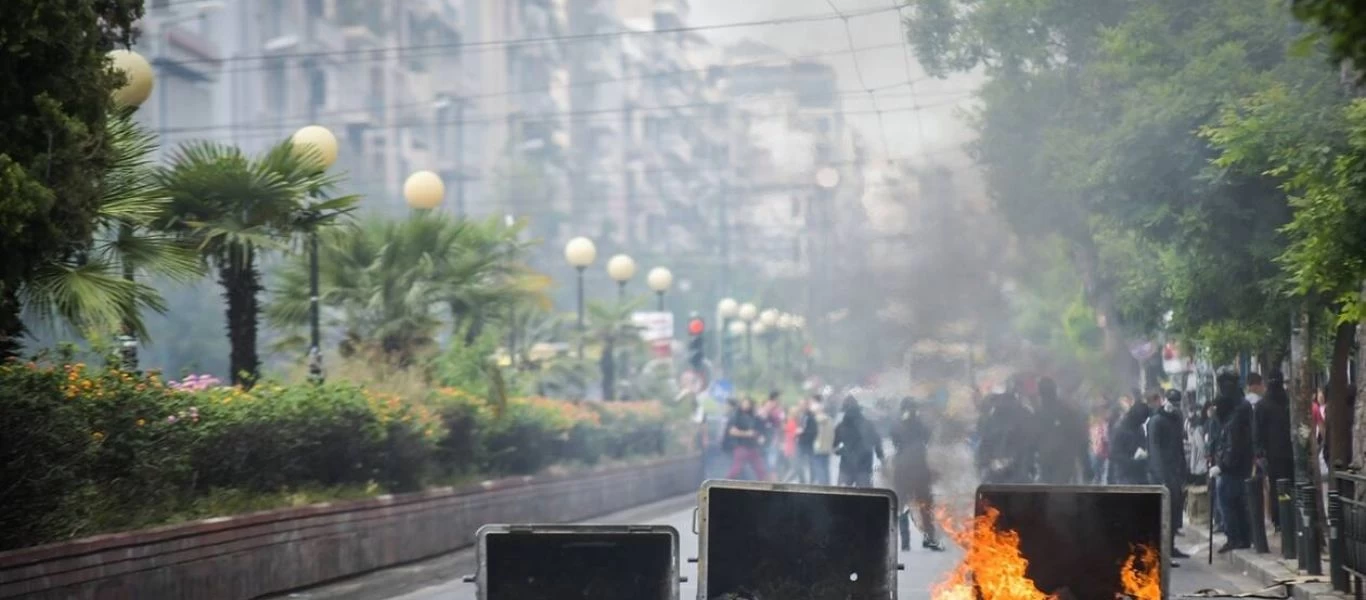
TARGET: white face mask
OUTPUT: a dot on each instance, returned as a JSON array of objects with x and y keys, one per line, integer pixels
[{"x": 1169, "y": 407}]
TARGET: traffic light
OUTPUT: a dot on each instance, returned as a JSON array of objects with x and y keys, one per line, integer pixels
[{"x": 696, "y": 345}]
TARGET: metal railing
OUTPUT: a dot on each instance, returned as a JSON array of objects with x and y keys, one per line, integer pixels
[{"x": 1347, "y": 533}]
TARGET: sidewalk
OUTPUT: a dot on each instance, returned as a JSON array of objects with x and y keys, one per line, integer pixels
[{"x": 1269, "y": 569}]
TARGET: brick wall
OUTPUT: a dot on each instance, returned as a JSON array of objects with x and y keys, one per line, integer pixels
[{"x": 251, "y": 555}]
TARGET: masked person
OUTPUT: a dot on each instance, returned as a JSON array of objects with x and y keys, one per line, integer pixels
[
  {"x": 1167, "y": 455},
  {"x": 856, "y": 443},
  {"x": 1004, "y": 449},
  {"x": 1271, "y": 435},
  {"x": 1129, "y": 447},
  {"x": 911, "y": 475},
  {"x": 1232, "y": 459},
  {"x": 1061, "y": 438}
]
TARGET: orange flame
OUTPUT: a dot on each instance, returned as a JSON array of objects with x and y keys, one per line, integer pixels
[{"x": 993, "y": 567}]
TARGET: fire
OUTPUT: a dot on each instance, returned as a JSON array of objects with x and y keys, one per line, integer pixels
[{"x": 993, "y": 565}]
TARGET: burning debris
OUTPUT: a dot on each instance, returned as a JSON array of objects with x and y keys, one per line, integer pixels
[{"x": 994, "y": 566}]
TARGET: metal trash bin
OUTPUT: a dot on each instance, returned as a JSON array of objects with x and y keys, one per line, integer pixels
[
  {"x": 1078, "y": 537},
  {"x": 577, "y": 562},
  {"x": 775, "y": 541}
]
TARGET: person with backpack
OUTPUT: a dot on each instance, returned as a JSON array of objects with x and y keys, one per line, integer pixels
[{"x": 856, "y": 443}]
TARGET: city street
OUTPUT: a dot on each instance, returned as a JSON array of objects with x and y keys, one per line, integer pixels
[{"x": 923, "y": 568}]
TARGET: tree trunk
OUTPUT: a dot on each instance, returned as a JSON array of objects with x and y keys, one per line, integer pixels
[
  {"x": 241, "y": 284},
  {"x": 1302, "y": 399},
  {"x": 12, "y": 329},
  {"x": 609, "y": 371},
  {"x": 1339, "y": 417}
]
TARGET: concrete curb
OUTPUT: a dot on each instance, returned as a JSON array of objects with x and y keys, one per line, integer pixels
[
  {"x": 1269, "y": 569},
  {"x": 402, "y": 579}
]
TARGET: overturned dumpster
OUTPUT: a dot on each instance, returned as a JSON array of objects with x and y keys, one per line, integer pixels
[
  {"x": 767, "y": 541},
  {"x": 1063, "y": 542},
  {"x": 577, "y": 562}
]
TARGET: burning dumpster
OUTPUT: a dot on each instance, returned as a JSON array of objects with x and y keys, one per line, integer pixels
[
  {"x": 768, "y": 541},
  {"x": 577, "y": 562},
  {"x": 1048, "y": 542}
]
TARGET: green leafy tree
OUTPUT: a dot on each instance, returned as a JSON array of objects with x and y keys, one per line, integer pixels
[
  {"x": 392, "y": 286},
  {"x": 609, "y": 325},
  {"x": 55, "y": 97},
  {"x": 236, "y": 209},
  {"x": 94, "y": 291}
]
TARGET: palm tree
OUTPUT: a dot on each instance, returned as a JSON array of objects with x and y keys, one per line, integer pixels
[
  {"x": 94, "y": 291},
  {"x": 386, "y": 284},
  {"x": 236, "y": 209},
  {"x": 609, "y": 325}
]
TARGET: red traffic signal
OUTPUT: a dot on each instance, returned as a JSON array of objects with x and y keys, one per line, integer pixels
[{"x": 696, "y": 327}]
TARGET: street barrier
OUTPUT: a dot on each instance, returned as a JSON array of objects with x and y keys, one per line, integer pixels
[
  {"x": 1072, "y": 538},
  {"x": 555, "y": 562},
  {"x": 1256, "y": 507},
  {"x": 1285, "y": 503},
  {"x": 248, "y": 556},
  {"x": 787, "y": 541}
]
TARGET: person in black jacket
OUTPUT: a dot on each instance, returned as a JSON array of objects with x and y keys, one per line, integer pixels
[
  {"x": 1233, "y": 459},
  {"x": 1061, "y": 439},
  {"x": 1129, "y": 447},
  {"x": 856, "y": 443},
  {"x": 1004, "y": 454},
  {"x": 1271, "y": 438},
  {"x": 807, "y": 430},
  {"x": 1167, "y": 455},
  {"x": 912, "y": 477}
]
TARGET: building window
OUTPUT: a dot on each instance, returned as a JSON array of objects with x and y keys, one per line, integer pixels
[
  {"x": 277, "y": 90},
  {"x": 317, "y": 87},
  {"x": 317, "y": 9}
]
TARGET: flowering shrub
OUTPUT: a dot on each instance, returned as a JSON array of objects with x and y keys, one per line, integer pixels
[{"x": 86, "y": 450}]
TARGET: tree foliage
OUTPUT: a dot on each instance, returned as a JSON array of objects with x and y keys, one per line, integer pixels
[{"x": 55, "y": 97}]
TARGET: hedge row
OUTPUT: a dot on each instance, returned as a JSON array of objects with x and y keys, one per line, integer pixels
[{"x": 86, "y": 450}]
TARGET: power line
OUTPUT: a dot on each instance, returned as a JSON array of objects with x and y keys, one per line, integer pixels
[
  {"x": 535, "y": 40},
  {"x": 906, "y": 60},
  {"x": 285, "y": 129},
  {"x": 313, "y": 116},
  {"x": 493, "y": 118},
  {"x": 858, "y": 70}
]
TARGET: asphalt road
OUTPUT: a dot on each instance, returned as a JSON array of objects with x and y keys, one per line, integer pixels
[
  {"x": 441, "y": 578},
  {"x": 923, "y": 569}
]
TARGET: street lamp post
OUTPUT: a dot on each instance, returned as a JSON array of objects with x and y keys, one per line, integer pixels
[
  {"x": 726, "y": 310},
  {"x": 140, "y": 79},
  {"x": 827, "y": 179},
  {"x": 768, "y": 319},
  {"x": 748, "y": 312},
  {"x": 659, "y": 280},
  {"x": 621, "y": 268},
  {"x": 424, "y": 190},
  {"x": 580, "y": 252},
  {"x": 316, "y": 144}
]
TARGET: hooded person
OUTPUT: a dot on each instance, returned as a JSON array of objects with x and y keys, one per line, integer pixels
[
  {"x": 1271, "y": 438},
  {"x": 1129, "y": 447},
  {"x": 912, "y": 477},
  {"x": 1061, "y": 439},
  {"x": 856, "y": 443},
  {"x": 1233, "y": 459},
  {"x": 1004, "y": 449},
  {"x": 824, "y": 444},
  {"x": 1167, "y": 455}
]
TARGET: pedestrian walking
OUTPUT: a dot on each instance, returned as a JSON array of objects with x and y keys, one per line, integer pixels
[
  {"x": 807, "y": 430},
  {"x": 912, "y": 477},
  {"x": 1098, "y": 434},
  {"x": 856, "y": 443},
  {"x": 745, "y": 436}
]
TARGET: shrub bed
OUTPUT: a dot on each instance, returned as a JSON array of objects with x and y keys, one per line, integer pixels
[{"x": 88, "y": 450}]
